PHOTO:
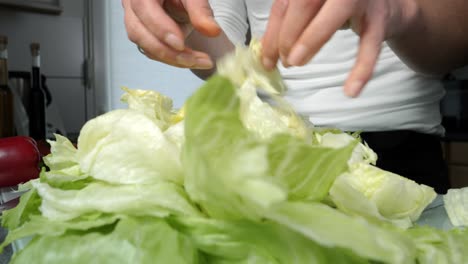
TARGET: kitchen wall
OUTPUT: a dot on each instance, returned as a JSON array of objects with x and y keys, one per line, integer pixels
[{"x": 62, "y": 53}]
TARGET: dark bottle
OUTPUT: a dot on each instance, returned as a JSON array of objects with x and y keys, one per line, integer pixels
[
  {"x": 7, "y": 125},
  {"x": 37, "y": 123}
]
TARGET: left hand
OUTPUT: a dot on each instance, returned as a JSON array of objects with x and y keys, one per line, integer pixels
[{"x": 297, "y": 29}]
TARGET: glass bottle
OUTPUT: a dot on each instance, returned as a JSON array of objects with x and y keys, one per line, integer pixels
[
  {"x": 7, "y": 125},
  {"x": 37, "y": 123}
]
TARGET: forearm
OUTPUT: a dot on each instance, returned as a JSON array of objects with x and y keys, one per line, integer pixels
[{"x": 436, "y": 40}]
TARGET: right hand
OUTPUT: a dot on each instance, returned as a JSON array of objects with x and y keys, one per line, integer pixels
[{"x": 157, "y": 27}]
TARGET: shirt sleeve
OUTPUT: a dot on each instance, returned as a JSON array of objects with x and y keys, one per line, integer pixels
[{"x": 231, "y": 15}]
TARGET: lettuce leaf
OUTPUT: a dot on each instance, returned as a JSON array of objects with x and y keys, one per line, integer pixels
[
  {"x": 257, "y": 242},
  {"x": 132, "y": 240},
  {"x": 372, "y": 192},
  {"x": 159, "y": 199},
  {"x": 456, "y": 205},
  {"x": 64, "y": 154},
  {"x": 260, "y": 179},
  {"x": 152, "y": 104},
  {"x": 437, "y": 246},
  {"x": 254, "y": 172},
  {"x": 244, "y": 65},
  {"x": 112, "y": 148},
  {"x": 332, "y": 228}
]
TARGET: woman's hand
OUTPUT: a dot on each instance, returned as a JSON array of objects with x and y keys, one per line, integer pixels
[
  {"x": 297, "y": 29},
  {"x": 159, "y": 28}
]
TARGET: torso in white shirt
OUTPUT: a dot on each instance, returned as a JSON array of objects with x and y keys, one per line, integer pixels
[{"x": 396, "y": 98}]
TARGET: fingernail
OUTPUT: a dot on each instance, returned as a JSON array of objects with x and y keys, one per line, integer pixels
[
  {"x": 268, "y": 63},
  {"x": 174, "y": 42},
  {"x": 203, "y": 63},
  {"x": 186, "y": 59},
  {"x": 284, "y": 61},
  {"x": 297, "y": 55},
  {"x": 354, "y": 88},
  {"x": 213, "y": 20}
]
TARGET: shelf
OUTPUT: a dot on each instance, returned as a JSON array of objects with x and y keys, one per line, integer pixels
[{"x": 40, "y": 6}]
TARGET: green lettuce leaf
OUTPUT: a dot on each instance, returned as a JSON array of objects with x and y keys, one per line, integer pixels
[
  {"x": 437, "y": 246},
  {"x": 361, "y": 153},
  {"x": 62, "y": 154},
  {"x": 307, "y": 170},
  {"x": 152, "y": 104},
  {"x": 221, "y": 159},
  {"x": 372, "y": 192},
  {"x": 257, "y": 242},
  {"x": 161, "y": 199},
  {"x": 332, "y": 228},
  {"x": 126, "y": 147},
  {"x": 28, "y": 206},
  {"x": 132, "y": 240},
  {"x": 244, "y": 65},
  {"x": 456, "y": 205},
  {"x": 254, "y": 172},
  {"x": 266, "y": 120}
]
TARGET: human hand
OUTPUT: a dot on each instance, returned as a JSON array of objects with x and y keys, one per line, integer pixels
[
  {"x": 297, "y": 29},
  {"x": 157, "y": 27}
]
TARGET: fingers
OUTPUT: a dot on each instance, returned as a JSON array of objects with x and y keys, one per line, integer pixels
[
  {"x": 157, "y": 49},
  {"x": 270, "y": 39},
  {"x": 372, "y": 37},
  {"x": 306, "y": 25},
  {"x": 201, "y": 17},
  {"x": 153, "y": 17},
  {"x": 297, "y": 18},
  {"x": 329, "y": 19}
]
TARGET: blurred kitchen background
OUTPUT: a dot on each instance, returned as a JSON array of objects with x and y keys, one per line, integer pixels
[{"x": 86, "y": 57}]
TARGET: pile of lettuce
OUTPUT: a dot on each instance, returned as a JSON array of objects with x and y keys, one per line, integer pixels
[{"x": 227, "y": 179}]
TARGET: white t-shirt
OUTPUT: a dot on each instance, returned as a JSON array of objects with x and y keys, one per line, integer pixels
[{"x": 396, "y": 98}]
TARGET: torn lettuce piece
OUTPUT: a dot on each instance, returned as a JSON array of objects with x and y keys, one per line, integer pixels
[
  {"x": 62, "y": 154},
  {"x": 456, "y": 205},
  {"x": 265, "y": 120},
  {"x": 271, "y": 114},
  {"x": 244, "y": 65},
  {"x": 372, "y": 192},
  {"x": 154, "y": 105},
  {"x": 361, "y": 153},
  {"x": 40, "y": 226},
  {"x": 126, "y": 147}
]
